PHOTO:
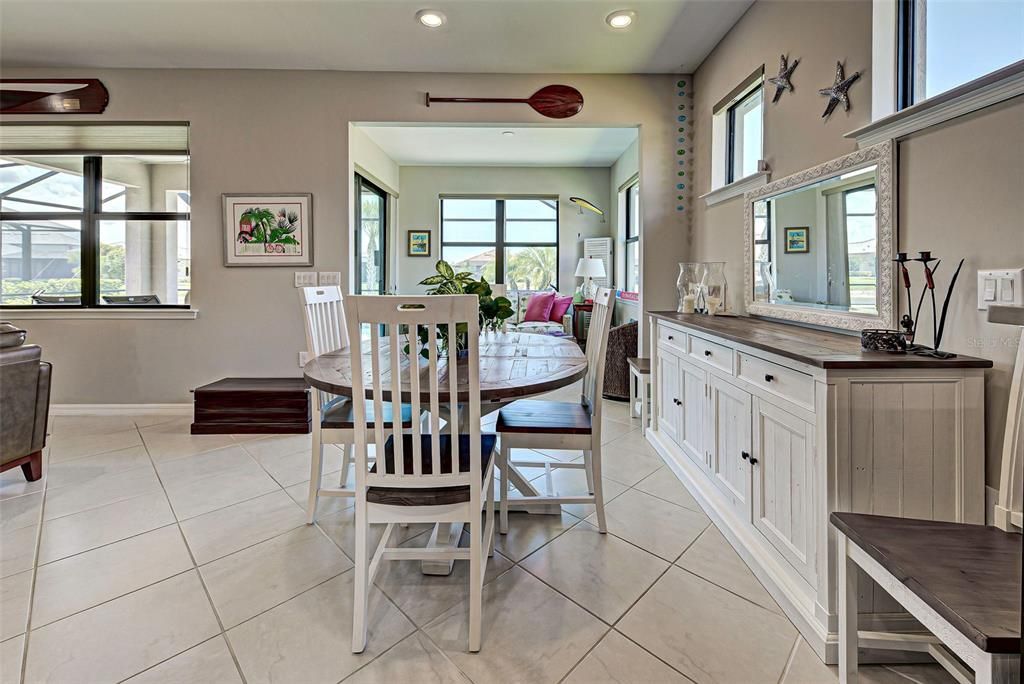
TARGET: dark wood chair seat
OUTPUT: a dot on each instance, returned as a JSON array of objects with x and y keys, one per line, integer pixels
[
  {"x": 968, "y": 574},
  {"x": 639, "y": 365},
  {"x": 340, "y": 414},
  {"x": 546, "y": 417},
  {"x": 430, "y": 496}
]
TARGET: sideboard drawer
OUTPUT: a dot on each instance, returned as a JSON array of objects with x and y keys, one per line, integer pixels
[
  {"x": 711, "y": 353},
  {"x": 787, "y": 383},
  {"x": 675, "y": 339}
]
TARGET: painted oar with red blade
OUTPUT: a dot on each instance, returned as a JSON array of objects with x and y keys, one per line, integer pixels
[{"x": 553, "y": 101}]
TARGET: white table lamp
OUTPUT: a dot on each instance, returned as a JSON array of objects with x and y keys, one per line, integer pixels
[{"x": 589, "y": 268}]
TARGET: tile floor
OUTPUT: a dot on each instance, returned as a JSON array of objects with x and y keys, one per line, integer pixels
[{"x": 151, "y": 555}]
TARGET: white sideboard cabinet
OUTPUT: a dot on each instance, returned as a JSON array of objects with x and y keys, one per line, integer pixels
[{"x": 772, "y": 427}]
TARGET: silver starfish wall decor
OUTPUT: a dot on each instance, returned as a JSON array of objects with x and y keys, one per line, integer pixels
[
  {"x": 838, "y": 92},
  {"x": 781, "y": 82}
]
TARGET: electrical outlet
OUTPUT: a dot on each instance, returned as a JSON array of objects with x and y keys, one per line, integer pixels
[
  {"x": 305, "y": 279},
  {"x": 330, "y": 278},
  {"x": 303, "y": 359}
]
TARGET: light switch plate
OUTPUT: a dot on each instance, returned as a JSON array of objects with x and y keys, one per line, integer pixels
[
  {"x": 330, "y": 278},
  {"x": 303, "y": 358},
  {"x": 305, "y": 279},
  {"x": 1003, "y": 286}
]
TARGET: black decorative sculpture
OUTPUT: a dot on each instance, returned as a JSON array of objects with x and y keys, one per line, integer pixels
[
  {"x": 909, "y": 323},
  {"x": 782, "y": 82},
  {"x": 839, "y": 90}
]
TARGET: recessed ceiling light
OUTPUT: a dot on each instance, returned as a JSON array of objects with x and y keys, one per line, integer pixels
[
  {"x": 431, "y": 18},
  {"x": 620, "y": 19},
  {"x": 508, "y": 133}
]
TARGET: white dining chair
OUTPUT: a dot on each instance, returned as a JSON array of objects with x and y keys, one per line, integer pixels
[
  {"x": 540, "y": 424},
  {"x": 420, "y": 477},
  {"x": 333, "y": 420}
]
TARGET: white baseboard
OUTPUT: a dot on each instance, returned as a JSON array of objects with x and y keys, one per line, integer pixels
[
  {"x": 991, "y": 499},
  {"x": 120, "y": 409}
]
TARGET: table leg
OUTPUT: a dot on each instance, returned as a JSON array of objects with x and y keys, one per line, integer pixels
[{"x": 848, "y": 637}]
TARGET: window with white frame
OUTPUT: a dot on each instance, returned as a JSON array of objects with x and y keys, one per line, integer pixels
[
  {"x": 737, "y": 132},
  {"x": 947, "y": 43},
  {"x": 744, "y": 136}
]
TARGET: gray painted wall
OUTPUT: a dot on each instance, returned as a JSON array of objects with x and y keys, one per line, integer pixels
[
  {"x": 249, "y": 320},
  {"x": 959, "y": 184}
]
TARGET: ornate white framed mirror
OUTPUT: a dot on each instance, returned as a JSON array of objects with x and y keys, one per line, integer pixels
[{"x": 818, "y": 245}]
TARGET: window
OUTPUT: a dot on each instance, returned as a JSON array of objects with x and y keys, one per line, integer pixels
[
  {"x": 99, "y": 230},
  {"x": 737, "y": 132},
  {"x": 744, "y": 136},
  {"x": 762, "y": 248},
  {"x": 513, "y": 241},
  {"x": 861, "y": 244},
  {"x": 632, "y": 214},
  {"x": 945, "y": 44},
  {"x": 371, "y": 237}
]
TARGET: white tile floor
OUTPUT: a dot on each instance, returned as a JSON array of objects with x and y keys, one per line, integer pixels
[{"x": 167, "y": 557}]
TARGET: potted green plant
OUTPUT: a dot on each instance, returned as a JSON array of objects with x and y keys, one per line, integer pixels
[{"x": 493, "y": 310}]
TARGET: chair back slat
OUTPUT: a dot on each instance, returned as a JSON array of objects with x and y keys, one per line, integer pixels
[
  {"x": 325, "y": 319},
  {"x": 406, "y": 373},
  {"x": 435, "y": 403},
  {"x": 395, "y": 371},
  {"x": 597, "y": 345},
  {"x": 412, "y": 339},
  {"x": 378, "y": 402}
]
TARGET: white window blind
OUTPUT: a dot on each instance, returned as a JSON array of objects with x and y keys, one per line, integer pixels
[{"x": 92, "y": 138}]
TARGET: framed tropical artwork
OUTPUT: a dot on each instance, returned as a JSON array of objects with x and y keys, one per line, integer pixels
[
  {"x": 798, "y": 240},
  {"x": 268, "y": 229},
  {"x": 419, "y": 243}
]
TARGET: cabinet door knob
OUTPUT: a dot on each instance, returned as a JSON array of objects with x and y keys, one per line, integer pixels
[
  {"x": 768, "y": 377},
  {"x": 745, "y": 455},
  {"x": 753, "y": 461},
  {"x": 707, "y": 352},
  {"x": 671, "y": 337},
  {"x": 676, "y": 401}
]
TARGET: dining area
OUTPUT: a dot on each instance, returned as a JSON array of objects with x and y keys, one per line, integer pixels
[{"x": 431, "y": 414}]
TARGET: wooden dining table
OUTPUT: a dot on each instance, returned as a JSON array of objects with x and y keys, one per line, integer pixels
[{"x": 512, "y": 366}]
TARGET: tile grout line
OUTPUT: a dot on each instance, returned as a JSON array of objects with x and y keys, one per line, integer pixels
[
  {"x": 158, "y": 664},
  {"x": 195, "y": 568},
  {"x": 35, "y": 570},
  {"x": 626, "y": 612},
  {"x": 790, "y": 659}
]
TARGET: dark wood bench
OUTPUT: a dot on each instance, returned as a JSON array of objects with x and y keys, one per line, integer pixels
[
  {"x": 252, "y": 406},
  {"x": 962, "y": 582}
]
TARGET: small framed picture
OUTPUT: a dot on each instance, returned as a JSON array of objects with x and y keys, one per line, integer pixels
[
  {"x": 798, "y": 240},
  {"x": 273, "y": 229},
  {"x": 418, "y": 243}
]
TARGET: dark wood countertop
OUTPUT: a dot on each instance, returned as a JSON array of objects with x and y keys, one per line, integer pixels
[{"x": 814, "y": 347}]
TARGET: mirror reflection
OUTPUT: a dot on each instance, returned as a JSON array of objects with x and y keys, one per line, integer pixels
[{"x": 816, "y": 245}]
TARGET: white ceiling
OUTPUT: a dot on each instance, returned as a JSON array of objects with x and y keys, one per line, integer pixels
[
  {"x": 486, "y": 146},
  {"x": 481, "y": 36}
]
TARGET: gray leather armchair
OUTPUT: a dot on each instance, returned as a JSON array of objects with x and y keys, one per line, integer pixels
[{"x": 24, "y": 402}]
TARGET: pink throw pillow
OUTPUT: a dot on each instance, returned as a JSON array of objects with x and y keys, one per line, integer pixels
[
  {"x": 559, "y": 307},
  {"x": 538, "y": 308}
]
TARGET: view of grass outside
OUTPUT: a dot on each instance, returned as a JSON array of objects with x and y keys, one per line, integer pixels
[{"x": 44, "y": 256}]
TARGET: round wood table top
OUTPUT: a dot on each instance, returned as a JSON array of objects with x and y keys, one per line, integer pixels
[{"x": 512, "y": 365}]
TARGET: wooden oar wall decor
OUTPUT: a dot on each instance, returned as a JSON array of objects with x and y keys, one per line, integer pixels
[
  {"x": 553, "y": 101},
  {"x": 52, "y": 96}
]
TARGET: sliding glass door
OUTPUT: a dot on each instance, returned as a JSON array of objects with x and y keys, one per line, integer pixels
[{"x": 371, "y": 237}]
